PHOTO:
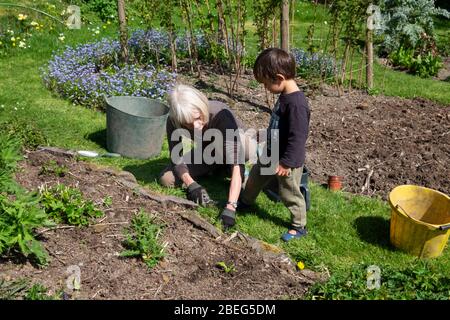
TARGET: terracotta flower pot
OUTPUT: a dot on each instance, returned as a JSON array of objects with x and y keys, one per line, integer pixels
[{"x": 334, "y": 183}]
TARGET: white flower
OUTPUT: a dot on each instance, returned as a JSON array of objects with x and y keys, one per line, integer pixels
[
  {"x": 325, "y": 22},
  {"x": 34, "y": 23},
  {"x": 15, "y": 108},
  {"x": 61, "y": 37},
  {"x": 97, "y": 31},
  {"x": 22, "y": 44},
  {"x": 21, "y": 16}
]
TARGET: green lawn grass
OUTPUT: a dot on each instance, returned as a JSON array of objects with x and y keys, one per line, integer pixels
[{"x": 344, "y": 230}]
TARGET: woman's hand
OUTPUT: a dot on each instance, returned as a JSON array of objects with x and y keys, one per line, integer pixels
[{"x": 282, "y": 171}]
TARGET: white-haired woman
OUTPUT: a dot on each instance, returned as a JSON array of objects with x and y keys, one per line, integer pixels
[{"x": 194, "y": 116}]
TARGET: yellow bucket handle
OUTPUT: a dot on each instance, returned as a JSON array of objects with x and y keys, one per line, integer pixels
[{"x": 441, "y": 227}]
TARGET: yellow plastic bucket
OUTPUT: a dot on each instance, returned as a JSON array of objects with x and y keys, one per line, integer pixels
[{"x": 420, "y": 220}]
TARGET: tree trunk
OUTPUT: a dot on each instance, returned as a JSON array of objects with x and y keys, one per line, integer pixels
[
  {"x": 123, "y": 31},
  {"x": 284, "y": 25}
]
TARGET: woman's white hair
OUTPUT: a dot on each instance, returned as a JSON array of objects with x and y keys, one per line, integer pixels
[{"x": 184, "y": 101}]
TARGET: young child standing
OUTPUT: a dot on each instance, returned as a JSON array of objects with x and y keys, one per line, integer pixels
[{"x": 275, "y": 68}]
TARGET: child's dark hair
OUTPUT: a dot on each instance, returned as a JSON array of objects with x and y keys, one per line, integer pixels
[{"x": 273, "y": 61}]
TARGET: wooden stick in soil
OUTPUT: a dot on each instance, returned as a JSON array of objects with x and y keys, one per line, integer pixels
[
  {"x": 291, "y": 25},
  {"x": 123, "y": 31},
  {"x": 345, "y": 61},
  {"x": 239, "y": 41},
  {"x": 173, "y": 49},
  {"x": 369, "y": 70},
  {"x": 366, "y": 186},
  {"x": 222, "y": 26},
  {"x": 284, "y": 25},
  {"x": 55, "y": 228},
  {"x": 352, "y": 50},
  {"x": 232, "y": 54}
]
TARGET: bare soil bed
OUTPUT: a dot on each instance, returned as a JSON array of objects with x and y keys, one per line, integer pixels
[{"x": 189, "y": 269}]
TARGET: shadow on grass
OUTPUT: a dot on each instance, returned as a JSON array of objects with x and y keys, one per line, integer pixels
[
  {"x": 99, "y": 137},
  {"x": 216, "y": 183},
  {"x": 374, "y": 230},
  {"x": 149, "y": 171},
  {"x": 263, "y": 214}
]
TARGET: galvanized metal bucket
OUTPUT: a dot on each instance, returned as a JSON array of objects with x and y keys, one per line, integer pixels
[{"x": 135, "y": 126}]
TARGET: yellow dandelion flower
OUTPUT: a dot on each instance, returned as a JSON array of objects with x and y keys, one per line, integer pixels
[
  {"x": 13, "y": 39},
  {"x": 300, "y": 265}
]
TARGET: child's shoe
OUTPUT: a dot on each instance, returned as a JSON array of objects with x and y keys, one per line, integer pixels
[{"x": 299, "y": 232}]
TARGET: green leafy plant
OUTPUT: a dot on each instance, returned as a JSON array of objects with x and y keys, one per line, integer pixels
[
  {"x": 20, "y": 288},
  {"x": 406, "y": 21},
  {"x": 11, "y": 289},
  {"x": 9, "y": 156},
  {"x": 105, "y": 9},
  {"x": 253, "y": 84},
  {"x": 142, "y": 240},
  {"x": 416, "y": 281},
  {"x": 52, "y": 167},
  {"x": 424, "y": 65},
  {"x": 402, "y": 57},
  {"x": 107, "y": 201},
  {"x": 67, "y": 205},
  {"x": 39, "y": 292},
  {"x": 227, "y": 268},
  {"x": 264, "y": 12},
  {"x": 29, "y": 135},
  {"x": 18, "y": 219}
]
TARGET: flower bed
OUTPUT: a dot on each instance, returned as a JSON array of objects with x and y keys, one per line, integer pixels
[
  {"x": 314, "y": 65},
  {"x": 84, "y": 74}
]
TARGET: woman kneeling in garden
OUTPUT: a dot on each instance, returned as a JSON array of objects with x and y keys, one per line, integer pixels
[{"x": 220, "y": 143}]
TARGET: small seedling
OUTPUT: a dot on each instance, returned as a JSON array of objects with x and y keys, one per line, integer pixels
[
  {"x": 12, "y": 289},
  {"x": 253, "y": 84},
  {"x": 107, "y": 202},
  {"x": 225, "y": 267},
  {"x": 39, "y": 292},
  {"x": 67, "y": 205},
  {"x": 142, "y": 240},
  {"x": 373, "y": 92},
  {"x": 52, "y": 167}
]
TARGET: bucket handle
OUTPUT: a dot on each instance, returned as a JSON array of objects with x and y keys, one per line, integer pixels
[
  {"x": 397, "y": 206},
  {"x": 442, "y": 227}
]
